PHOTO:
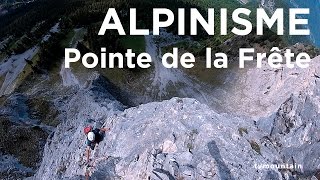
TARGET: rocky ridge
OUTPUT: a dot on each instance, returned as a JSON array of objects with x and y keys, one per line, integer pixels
[{"x": 184, "y": 139}]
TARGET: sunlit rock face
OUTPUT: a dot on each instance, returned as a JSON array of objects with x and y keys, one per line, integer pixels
[
  {"x": 183, "y": 138},
  {"x": 172, "y": 139}
]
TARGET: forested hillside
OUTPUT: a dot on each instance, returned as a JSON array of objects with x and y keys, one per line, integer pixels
[{"x": 24, "y": 26}]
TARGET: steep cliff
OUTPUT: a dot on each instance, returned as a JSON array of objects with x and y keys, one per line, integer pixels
[
  {"x": 182, "y": 138},
  {"x": 179, "y": 138}
]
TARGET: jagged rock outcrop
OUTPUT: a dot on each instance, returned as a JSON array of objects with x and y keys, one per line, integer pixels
[
  {"x": 182, "y": 138},
  {"x": 259, "y": 92},
  {"x": 294, "y": 128},
  {"x": 179, "y": 138}
]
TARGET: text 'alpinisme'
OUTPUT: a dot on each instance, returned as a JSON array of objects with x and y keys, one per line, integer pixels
[{"x": 276, "y": 58}]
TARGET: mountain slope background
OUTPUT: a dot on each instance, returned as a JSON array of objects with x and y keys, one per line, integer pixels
[{"x": 270, "y": 115}]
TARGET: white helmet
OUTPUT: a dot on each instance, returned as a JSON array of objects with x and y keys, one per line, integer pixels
[{"x": 91, "y": 136}]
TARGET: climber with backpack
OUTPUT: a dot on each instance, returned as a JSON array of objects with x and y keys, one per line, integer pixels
[{"x": 94, "y": 137}]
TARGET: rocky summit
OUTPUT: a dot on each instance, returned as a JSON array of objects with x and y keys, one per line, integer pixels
[
  {"x": 179, "y": 138},
  {"x": 182, "y": 138}
]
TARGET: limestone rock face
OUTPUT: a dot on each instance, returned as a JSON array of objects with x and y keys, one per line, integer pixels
[
  {"x": 179, "y": 138},
  {"x": 259, "y": 92},
  {"x": 184, "y": 139}
]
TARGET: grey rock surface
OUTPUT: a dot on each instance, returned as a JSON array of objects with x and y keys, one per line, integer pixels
[
  {"x": 259, "y": 92},
  {"x": 179, "y": 138},
  {"x": 184, "y": 139}
]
